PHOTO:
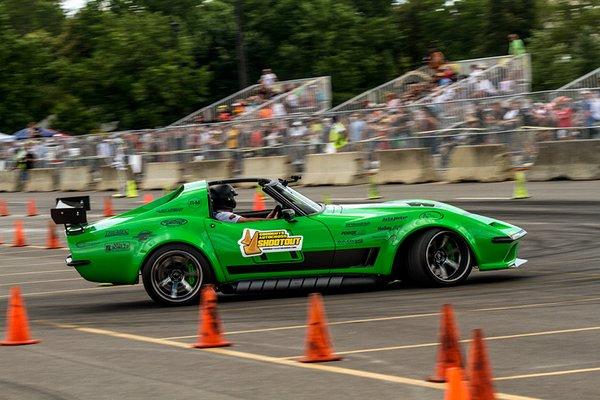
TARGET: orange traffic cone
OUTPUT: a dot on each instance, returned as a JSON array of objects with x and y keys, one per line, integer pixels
[
  {"x": 31, "y": 208},
  {"x": 108, "y": 209},
  {"x": 449, "y": 353},
  {"x": 148, "y": 198},
  {"x": 259, "y": 202},
  {"x": 318, "y": 345},
  {"x": 209, "y": 328},
  {"x": 3, "y": 209},
  {"x": 52, "y": 242},
  {"x": 19, "y": 234},
  {"x": 17, "y": 326},
  {"x": 479, "y": 370},
  {"x": 456, "y": 388}
]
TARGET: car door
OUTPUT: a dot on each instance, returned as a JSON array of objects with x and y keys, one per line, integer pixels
[{"x": 272, "y": 248}]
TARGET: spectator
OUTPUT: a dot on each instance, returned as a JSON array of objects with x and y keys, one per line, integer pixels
[
  {"x": 223, "y": 113},
  {"x": 591, "y": 113},
  {"x": 357, "y": 126},
  {"x": 338, "y": 137},
  {"x": 297, "y": 131},
  {"x": 564, "y": 115},
  {"x": 516, "y": 47},
  {"x": 267, "y": 80},
  {"x": 278, "y": 110}
]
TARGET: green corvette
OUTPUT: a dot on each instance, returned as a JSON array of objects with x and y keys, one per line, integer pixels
[{"x": 177, "y": 244}]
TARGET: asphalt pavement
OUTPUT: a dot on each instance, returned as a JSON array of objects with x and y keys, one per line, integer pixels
[{"x": 541, "y": 322}]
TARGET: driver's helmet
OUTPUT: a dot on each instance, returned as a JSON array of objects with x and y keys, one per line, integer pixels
[{"x": 223, "y": 197}]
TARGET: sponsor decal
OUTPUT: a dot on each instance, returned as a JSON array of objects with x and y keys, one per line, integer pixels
[
  {"x": 254, "y": 243},
  {"x": 357, "y": 224},
  {"x": 350, "y": 241},
  {"x": 174, "y": 222},
  {"x": 170, "y": 210},
  {"x": 144, "y": 235},
  {"x": 194, "y": 203},
  {"x": 88, "y": 244},
  {"x": 117, "y": 232},
  {"x": 394, "y": 219},
  {"x": 118, "y": 246},
  {"x": 432, "y": 215},
  {"x": 352, "y": 233}
]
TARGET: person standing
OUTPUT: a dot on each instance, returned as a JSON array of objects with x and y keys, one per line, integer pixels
[
  {"x": 516, "y": 47},
  {"x": 338, "y": 136}
]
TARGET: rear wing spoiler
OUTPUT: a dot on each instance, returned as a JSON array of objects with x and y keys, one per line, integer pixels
[{"x": 71, "y": 210}]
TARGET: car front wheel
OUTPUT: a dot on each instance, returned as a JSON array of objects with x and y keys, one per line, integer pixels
[
  {"x": 439, "y": 257},
  {"x": 174, "y": 274}
]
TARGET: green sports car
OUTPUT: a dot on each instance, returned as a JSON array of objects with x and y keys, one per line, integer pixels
[{"x": 177, "y": 244}]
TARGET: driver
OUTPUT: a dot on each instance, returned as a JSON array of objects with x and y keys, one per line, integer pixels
[{"x": 223, "y": 198}]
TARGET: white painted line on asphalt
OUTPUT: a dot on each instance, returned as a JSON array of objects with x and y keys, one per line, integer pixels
[
  {"x": 355, "y": 321},
  {"x": 44, "y": 281},
  {"x": 68, "y": 291},
  {"x": 491, "y": 338},
  {"x": 54, "y": 271},
  {"x": 274, "y": 360},
  {"x": 552, "y": 373}
]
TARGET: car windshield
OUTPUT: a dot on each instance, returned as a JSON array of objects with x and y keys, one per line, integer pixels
[{"x": 299, "y": 200}]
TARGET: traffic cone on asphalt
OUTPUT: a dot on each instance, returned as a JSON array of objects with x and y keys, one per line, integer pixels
[
  {"x": 3, "y": 209},
  {"x": 19, "y": 234},
  {"x": 131, "y": 189},
  {"x": 209, "y": 328},
  {"x": 449, "y": 353},
  {"x": 148, "y": 198},
  {"x": 479, "y": 371},
  {"x": 108, "y": 209},
  {"x": 17, "y": 325},
  {"x": 520, "y": 191},
  {"x": 259, "y": 202},
  {"x": 456, "y": 388},
  {"x": 318, "y": 345},
  {"x": 31, "y": 208},
  {"x": 373, "y": 193},
  {"x": 53, "y": 242}
]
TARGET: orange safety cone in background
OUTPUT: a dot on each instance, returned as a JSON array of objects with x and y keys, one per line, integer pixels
[
  {"x": 52, "y": 242},
  {"x": 17, "y": 326},
  {"x": 456, "y": 388},
  {"x": 19, "y": 234},
  {"x": 209, "y": 328},
  {"x": 449, "y": 354},
  {"x": 3, "y": 209},
  {"x": 31, "y": 208},
  {"x": 479, "y": 370},
  {"x": 148, "y": 198},
  {"x": 318, "y": 345},
  {"x": 259, "y": 202},
  {"x": 108, "y": 209}
]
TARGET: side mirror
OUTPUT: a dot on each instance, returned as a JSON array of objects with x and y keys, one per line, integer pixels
[{"x": 288, "y": 214}]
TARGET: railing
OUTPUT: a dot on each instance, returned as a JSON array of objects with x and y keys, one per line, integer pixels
[
  {"x": 312, "y": 96},
  {"x": 254, "y": 96},
  {"x": 408, "y": 86},
  {"x": 512, "y": 76},
  {"x": 589, "y": 80}
]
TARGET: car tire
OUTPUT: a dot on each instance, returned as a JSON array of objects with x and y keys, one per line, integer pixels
[
  {"x": 439, "y": 257},
  {"x": 174, "y": 274}
]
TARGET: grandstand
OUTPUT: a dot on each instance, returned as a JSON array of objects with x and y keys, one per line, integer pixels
[
  {"x": 297, "y": 96},
  {"x": 408, "y": 86}
]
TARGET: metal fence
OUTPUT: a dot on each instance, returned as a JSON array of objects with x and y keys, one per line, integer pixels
[
  {"x": 589, "y": 80},
  {"x": 509, "y": 76},
  {"x": 414, "y": 84},
  {"x": 250, "y": 100}
]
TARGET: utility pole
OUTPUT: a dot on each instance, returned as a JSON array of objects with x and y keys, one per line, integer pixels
[{"x": 239, "y": 44}]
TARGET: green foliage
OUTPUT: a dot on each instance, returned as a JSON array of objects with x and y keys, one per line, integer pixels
[{"x": 146, "y": 63}]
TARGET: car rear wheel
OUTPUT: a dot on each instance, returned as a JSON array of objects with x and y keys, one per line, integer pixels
[
  {"x": 439, "y": 257},
  {"x": 174, "y": 274}
]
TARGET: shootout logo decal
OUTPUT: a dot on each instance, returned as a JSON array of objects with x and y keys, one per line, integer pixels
[{"x": 254, "y": 243}]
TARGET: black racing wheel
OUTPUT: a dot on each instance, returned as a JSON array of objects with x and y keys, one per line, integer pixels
[
  {"x": 439, "y": 257},
  {"x": 174, "y": 274}
]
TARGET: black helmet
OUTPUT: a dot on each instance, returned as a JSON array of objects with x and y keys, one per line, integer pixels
[{"x": 223, "y": 197}]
